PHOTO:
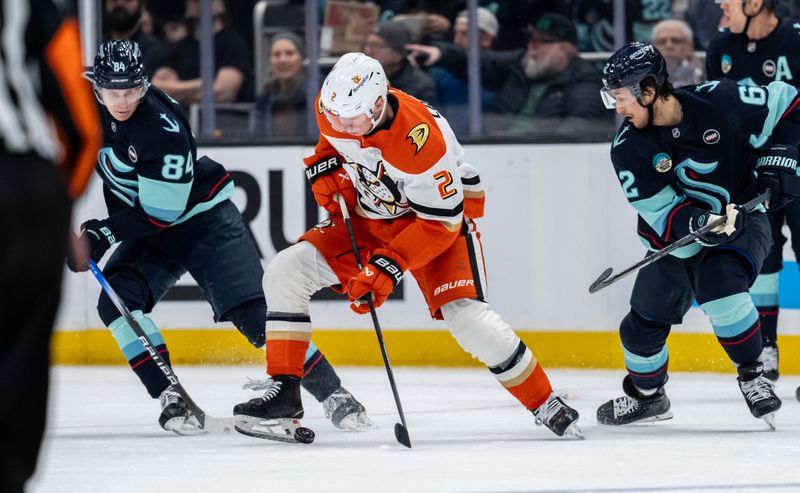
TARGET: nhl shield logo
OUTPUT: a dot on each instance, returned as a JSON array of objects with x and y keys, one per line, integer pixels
[
  {"x": 132, "y": 154},
  {"x": 768, "y": 68},
  {"x": 711, "y": 136},
  {"x": 726, "y": 63},
  {"x": 662, "y": 162}
]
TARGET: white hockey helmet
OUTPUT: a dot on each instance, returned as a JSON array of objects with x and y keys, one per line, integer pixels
[{"x": 353, "y": 86}]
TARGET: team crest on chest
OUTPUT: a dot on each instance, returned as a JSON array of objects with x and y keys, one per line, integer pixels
[
  {"x": 132, "y": 155},
  {"x": 726, "y": 63},
  {"x": 419, "y": 136},
  {"x": 662, "y": 162},
  {"x": 711, "y": 136},
  {"x": 380, "y": 188}
]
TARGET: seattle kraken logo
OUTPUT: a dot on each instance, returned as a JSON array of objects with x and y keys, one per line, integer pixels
[{"x": 709, "y": 193}]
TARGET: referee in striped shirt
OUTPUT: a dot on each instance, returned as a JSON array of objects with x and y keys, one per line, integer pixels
[{"x": 48, "y": 143}]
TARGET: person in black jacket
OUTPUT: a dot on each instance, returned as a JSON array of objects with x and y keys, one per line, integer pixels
[
  {"x": 42, "y": 49},
  {"x": 546, "y": 90}
]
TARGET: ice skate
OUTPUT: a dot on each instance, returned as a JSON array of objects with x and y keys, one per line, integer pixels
[
  {"x": 345, "y": 412},
  {"x": 634, "y": 407},
  {"x": 175, "y": 416},
  {"x": 275, "y": 415},
  {"x": 558, "y": 416},
  {"x": 759, "y": 393},
  {"x": 769, "y": 357}
]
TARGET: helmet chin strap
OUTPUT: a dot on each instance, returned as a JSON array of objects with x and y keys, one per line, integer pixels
[
  {"x": 749, "y": 17},
  {"x": 376, "y": 121},
  {"x": 649, "y": 110}
]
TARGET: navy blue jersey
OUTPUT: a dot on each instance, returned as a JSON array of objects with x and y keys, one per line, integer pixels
[
  {"x": 669, "y": 174},
  {"x": 151, "y": 175},
  {"x": 776, "y": 57}
]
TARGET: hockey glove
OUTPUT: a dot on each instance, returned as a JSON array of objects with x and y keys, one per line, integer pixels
[
  {"x": 327, "y": 178},
  {"x": 100, "y": 237},
  {"x": 777, "y": 170},
  {"x": 724, "y": 233},
  {"x": 381, "y": 274}
]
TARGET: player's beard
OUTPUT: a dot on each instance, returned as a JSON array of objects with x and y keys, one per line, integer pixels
[
  {"x": 119, "y": 20},
  {"x": 537, "y": 69}
]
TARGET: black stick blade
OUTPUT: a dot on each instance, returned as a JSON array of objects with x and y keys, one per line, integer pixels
[
  {"x": 401, "y": 433},
  {"x": 599, "y": 283}
]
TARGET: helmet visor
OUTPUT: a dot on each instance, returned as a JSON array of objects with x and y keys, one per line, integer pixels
[
  {"x": 357, "y": 125},
  {"x": 621, "y": 96},
  {"x": 120, "y": 96}
]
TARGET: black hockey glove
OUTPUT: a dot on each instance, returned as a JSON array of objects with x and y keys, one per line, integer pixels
[
  {"x": 100, "y": 237},
  {"x": 777, "y": 170},
  {"x": 724, "y": 233}
]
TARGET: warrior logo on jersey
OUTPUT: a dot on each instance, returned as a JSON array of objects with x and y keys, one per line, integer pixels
[
  {"x": 726, "y": 64},
  {"x": 662, "y": 162},
  {"x": 711, "y": 136},
  {"x": 132, "y": 154},
  {"x": 380, "y": 188},
  {"x": 769, "y": 68},
  {"x": 419, "y": 136}
]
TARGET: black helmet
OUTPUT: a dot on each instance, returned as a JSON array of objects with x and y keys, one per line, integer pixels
[
  {"x": 118, "y": 65},
  {"x": 633, "y": 63}
]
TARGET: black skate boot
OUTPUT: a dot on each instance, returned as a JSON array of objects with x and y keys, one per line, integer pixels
[
  {"x": 175, "y": 416},
  {"x": 275, "y": 415},
  {"x": 558, "y": 417},
  {"x": 345, "y": 412},
  {"x": 769, "y": 357},
  {"x": 759, "y": 392},
  {"x": 634, "y": 407}
]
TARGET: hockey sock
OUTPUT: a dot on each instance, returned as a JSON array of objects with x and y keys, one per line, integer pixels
[
  {"x": 288, "y": 337},
  {"x": 523, "y": 376},
  {"x": 764, "y": 293},
  {"x": 140, "y": 360},
  {"x": 737, "y": 326},
  {"x": 319, "y": 377},
  {"x": 643, "y": 347}
]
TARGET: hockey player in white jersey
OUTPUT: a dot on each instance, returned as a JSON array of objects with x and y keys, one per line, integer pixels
[{"x": 413, "y": 202}]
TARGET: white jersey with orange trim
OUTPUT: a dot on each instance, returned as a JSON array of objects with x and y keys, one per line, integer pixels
[{"x": 416, "y": 165}]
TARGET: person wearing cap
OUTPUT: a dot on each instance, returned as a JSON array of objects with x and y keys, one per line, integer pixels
[
  {"x": 488, "y": 27},
  {"x": 280, "y": 109},
  {"x": 387, "y": 44},
  {"x": 545, "y": 89}
]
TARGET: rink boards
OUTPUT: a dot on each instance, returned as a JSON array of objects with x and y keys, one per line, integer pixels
[{"x": 555, "y": 219}]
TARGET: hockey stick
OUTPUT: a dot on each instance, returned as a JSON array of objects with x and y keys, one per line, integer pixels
[
  {"x": 207, "y": 423},
  {"x": 606, "y": 279},
  {"x": 400, "y": 431}
]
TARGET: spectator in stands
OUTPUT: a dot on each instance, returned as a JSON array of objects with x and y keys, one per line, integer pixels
[
  {"x": 675, "y": 41},
  {"x": 545, "y": 90},
  {"x": 452, "y": 91},
  {"x": 281, "y": 105},
  {"x": 124, "y": 20},
  {"x": 388, "y": 45},
  {"x": 179, "y": 74}
]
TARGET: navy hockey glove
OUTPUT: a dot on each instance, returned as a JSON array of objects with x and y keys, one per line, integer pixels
[
  {"x": 724, "y": 233},
  {"x": 777, "y": 170},
  {"x": 100, "y": 237}
]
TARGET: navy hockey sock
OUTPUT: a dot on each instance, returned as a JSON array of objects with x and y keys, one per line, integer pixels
[
  {"x": 643, "y": 345},
  {"x": 769, "y": 324},
  {"x": 140, "y": 360},
  {"x": 319, "y": 377}
]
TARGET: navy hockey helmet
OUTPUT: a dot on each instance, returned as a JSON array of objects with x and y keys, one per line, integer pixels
[
  {"x": 628, "y": 67},
  {"x": 118, "y": 65}
]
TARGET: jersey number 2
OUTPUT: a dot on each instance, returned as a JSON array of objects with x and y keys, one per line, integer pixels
[
  {"x": 445, "y": 179},
  {"x": 627, "y": 179}
]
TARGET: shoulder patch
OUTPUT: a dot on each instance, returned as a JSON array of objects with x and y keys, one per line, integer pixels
[{"x": 419, "y": 136}]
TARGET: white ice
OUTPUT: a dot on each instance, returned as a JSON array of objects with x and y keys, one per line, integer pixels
[{"x": 468, "y": 435}]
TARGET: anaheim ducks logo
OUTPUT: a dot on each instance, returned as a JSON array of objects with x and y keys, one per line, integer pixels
[
  {"x": 320, "y": 109},
  {"x": 419, "y": 136},
  {"x": 380, "y": 188}
]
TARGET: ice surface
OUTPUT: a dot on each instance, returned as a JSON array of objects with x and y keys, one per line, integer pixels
[{"x": 468, "y": 435}]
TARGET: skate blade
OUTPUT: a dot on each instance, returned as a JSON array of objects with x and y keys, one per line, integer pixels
[
  {"x": 356, "y": 422},
  {"x": 280, "y": 430},
  {"x": 184, "y": 427},
  {"x": 770, "y": 420},
  {"x": 574, "y": 431}
]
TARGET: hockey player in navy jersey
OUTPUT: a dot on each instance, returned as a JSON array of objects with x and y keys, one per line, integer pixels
[
  {"x": 684, "y": 158},
  {"x": 171, "y": 213},
  {"x": 759, "y": 48}
]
